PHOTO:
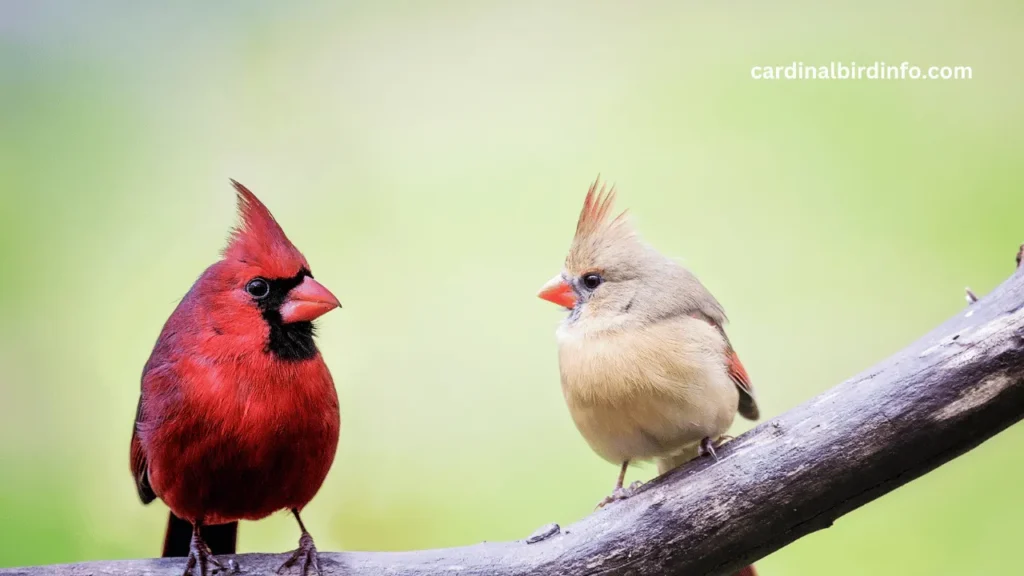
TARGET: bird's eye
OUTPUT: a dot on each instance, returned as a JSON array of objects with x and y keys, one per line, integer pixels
[
  {"x": 592, "y": 280},
  {"x": 258, "y": 288}
]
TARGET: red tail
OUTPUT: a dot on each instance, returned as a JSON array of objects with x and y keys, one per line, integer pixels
[{"x": 748, "y": 571}]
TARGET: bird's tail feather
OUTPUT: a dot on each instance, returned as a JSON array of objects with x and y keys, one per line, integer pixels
[{"x": 221, "y": 538}]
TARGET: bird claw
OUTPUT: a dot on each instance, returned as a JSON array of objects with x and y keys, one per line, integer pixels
[
  {"x": 200, "y": 556},
  {"x": 620, "y": 493},
  {"x": 707, "y": 448},
  {"x": 307, "y": 554}
]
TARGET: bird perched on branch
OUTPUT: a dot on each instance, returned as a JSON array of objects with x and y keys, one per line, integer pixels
[
  {"x": 238, "y": 416},
  {"x": 647, "y": 369}
]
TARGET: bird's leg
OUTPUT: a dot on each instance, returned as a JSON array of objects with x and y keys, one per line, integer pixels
[
  {"x": 707, "y": 448},
  {"x": 199, "y": 555},
  {"x": 622, "y": 476},
  {"x": 621, "y": 493},
  {"x": 305, "y": 554}
]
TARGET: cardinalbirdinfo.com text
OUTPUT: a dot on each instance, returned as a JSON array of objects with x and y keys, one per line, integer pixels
[{"x": 854, "y": 71}]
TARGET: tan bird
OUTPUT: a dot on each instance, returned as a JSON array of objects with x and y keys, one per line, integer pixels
[{"x": 647, "y": 369}]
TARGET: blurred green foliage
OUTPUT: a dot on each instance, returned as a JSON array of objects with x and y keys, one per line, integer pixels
[{"x": 430, "y": 159}]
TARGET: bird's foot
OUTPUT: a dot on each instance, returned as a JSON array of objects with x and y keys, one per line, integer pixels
[
  {"x": 200, "y": 556},
  {"x": 305, "y": 555},
  {"x": 707, "y": 448},
  {"x": 723, "y": 439},
  {"x": 620, "y": 493}
]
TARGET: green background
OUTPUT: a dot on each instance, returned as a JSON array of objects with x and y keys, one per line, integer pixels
[{"x": 430, "y": 160}]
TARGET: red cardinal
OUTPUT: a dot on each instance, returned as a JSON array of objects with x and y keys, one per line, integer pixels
[{"x": 238, "y": 416}]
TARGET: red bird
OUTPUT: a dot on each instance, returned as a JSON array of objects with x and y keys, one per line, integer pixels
[{"x": 238, "y": 416}]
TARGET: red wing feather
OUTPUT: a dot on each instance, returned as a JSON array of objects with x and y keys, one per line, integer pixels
[
  {"x": 738, "y": 374},
  {"x": 140, "y": 468}
]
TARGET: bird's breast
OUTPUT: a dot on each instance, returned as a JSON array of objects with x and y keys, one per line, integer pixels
[
  {"x": 252, "y": 443},
  {"x": 645, "y": 393}
]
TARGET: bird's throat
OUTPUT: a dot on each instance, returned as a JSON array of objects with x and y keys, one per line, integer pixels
[{"x": 292, "y": 342}]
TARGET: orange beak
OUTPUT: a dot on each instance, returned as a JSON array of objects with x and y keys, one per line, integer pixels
[
  {"x": 558, "y": 291},
  {"x": 307, "y": 301}
]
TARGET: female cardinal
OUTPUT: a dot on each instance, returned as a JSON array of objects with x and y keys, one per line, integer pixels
[
  {"x": 647, "y": 370},
  {"x": 238, "y": 416}
]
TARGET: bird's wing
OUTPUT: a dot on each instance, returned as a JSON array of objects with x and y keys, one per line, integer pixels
[
  {"x": 748, "y": 403},
  {"x": 140, "y": 468}
]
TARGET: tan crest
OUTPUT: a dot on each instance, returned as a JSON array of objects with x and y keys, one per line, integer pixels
[
  {"x": 595, "y": 228},
  {"x": 598, "y": 203}
]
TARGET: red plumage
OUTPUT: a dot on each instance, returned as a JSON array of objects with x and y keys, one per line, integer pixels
[
  {"x": 238, "y": 416},
  {"x": 259, "y": 241}
]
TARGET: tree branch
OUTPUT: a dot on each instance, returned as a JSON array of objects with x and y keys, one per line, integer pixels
[{"x": 942, "y": 396}]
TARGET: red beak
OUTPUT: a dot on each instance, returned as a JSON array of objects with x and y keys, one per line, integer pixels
[
  {"x": 558, "y": 291},
  {"x": 307, "y": 301}
]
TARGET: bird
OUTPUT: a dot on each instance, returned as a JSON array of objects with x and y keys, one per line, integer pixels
[
  {"x": 238, "y": 414},
  {"x": 646, "y": 367}
]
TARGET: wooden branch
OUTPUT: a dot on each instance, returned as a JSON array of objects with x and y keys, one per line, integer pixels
[{"x": 942, "y": 396}]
